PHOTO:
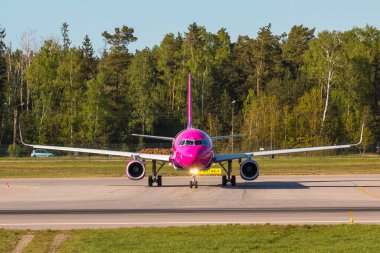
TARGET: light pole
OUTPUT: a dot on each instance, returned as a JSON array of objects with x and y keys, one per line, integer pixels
[{"x": 232, "y": 122}]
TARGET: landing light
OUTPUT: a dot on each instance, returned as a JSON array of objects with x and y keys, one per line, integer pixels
[{"x": 194, "y": 171}]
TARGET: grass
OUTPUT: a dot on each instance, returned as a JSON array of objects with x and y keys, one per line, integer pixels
[
  {"x": 59, "y": 167},
  {"x": 9, "y": 239},
  {"x": 223, "y": 238}
]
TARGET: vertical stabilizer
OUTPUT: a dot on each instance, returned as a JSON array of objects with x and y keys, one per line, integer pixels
[{"x": 189, "y": 122}]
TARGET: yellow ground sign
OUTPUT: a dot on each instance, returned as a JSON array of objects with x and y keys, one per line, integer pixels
[{"x": 211, "y": 171}]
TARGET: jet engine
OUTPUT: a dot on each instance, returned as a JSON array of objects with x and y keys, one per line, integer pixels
[
  {"x": 249, "y": 170},
  {"x": 135, "y": 170}
]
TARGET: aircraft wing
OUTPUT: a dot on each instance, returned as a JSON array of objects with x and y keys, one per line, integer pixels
[
  {"x": 164, "y": 158},
  {"x": 226, "y": 157}
]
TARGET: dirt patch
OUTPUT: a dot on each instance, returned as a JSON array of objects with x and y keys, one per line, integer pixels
[
  {"x": 23, "y": 243},
  {"x": 58, "y": 240}
]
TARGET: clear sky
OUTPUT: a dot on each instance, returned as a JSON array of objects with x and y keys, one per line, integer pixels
[{"x": 153, "y": 19}]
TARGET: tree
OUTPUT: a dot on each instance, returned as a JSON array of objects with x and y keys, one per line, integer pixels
[
  {"x": 28, "y": 46},
  {"x": 2, "y": 56},
  {"x": 322, "y": 61},
  {"x": 294, "y": 46},
  {"x": 143, "y": 92},
  {"x": 89, "y": 59},
  {"x": 290, "y": 91},
  {"x": 170, "y": 65},
  {"x": 3, "y": 70},
  {"x": 46, "y": 94},
  {"x": 370, "y": 39},
  {"x": 265, "y": 55},
  {"x": 307, "y": 120},
  {"x": 71, "y": 81},
  {"x": 120, "y": 40},
  {"x": 65, "y": 36},
  {"x": 196, "y": 53},
  {"x": 113, "y": 67},
  {"x": 261, "y": 122},
  {"x": 94, "y": 113},
  {"x": 242, "y": 72}
]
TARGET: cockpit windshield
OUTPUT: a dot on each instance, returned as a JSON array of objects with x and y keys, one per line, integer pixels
[{"x": 193, "y": 143}]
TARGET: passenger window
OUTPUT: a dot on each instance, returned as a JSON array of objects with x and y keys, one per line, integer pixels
[{"x": 182, "y": 143}]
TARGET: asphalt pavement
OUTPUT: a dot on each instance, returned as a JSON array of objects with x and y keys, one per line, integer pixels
[{"x": 120, "y": 202}]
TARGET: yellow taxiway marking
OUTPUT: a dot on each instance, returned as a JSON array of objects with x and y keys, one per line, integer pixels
[
  {"x": 367, "y": 192},
  {"x": 211, "y": 171}
]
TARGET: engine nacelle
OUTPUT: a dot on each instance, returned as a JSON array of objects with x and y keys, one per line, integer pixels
[
  {"x": 249, "y": 170},
  {"x": 135, "y": 170}
]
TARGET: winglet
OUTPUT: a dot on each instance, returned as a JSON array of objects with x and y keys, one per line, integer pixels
[
  {"x": 361, "y": 135},
  {"x": 23, "y": 143},
  {"x": 189, "y": 121}
]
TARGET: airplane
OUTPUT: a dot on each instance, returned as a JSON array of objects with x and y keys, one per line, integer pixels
[{"x": 192, "y": 151}]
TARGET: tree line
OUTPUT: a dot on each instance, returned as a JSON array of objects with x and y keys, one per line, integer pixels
[{"x": 290, "y": 90}]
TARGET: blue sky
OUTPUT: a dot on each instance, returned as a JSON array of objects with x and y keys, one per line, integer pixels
[{"x": 153, "y": 19}]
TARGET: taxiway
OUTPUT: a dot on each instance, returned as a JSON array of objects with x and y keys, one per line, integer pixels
[{"x": 120, "y": 202}]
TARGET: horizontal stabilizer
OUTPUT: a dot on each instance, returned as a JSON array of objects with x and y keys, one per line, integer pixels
[
  {"x": 227, "y": 136},
  {"x": 154, "y": 137}
]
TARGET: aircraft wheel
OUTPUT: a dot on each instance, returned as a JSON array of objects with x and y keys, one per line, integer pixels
[
  {"x": 233, "y": 181},
  {"x": 159, "y": 181},
  {"x": 224, "y": 180},
  {"x": 150, "y": 181},
  {"x": 191, "y": 184},
  {"x": 196, "y": 184}
]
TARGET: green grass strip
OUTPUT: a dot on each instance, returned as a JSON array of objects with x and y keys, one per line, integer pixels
[{"x": 223, "y": 238}]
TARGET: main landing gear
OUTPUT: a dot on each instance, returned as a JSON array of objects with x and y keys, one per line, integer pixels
[
  {"x": 155, "y": 178},
  {"x": 193, "y": 181},
  {"x": 228, "y": 178}
]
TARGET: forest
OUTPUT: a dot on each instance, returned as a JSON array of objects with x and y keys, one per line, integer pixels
[{"x": 295, "y": 89}]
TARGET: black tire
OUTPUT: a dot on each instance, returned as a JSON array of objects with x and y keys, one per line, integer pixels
[
  {"x": 150, "y": 181},
  {"x": 233, "y": 181},
  {"x": 191, "y": 184},
  {"x": 159, "y": 181},
  {"x": 196, "y": 184},
  {"x": 224, "y": 180}
]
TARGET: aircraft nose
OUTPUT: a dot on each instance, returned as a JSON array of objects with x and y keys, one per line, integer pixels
[
  {"x": 187, "y": 159},
  {"x": 197, "y": 158}
]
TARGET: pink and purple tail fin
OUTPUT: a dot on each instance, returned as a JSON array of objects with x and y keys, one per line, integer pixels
[{"x": 189, "y": 122}]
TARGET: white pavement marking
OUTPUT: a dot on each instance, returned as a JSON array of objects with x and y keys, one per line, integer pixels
[{"x": 184, "y": 222}]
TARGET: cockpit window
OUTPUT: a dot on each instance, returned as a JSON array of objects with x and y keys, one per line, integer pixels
[
  {"x": 193, "y": 143},
  {"x": 199, "y": 142}
]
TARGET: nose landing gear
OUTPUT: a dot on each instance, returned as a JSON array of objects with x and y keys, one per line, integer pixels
[{"x": 193, "y": 181}]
